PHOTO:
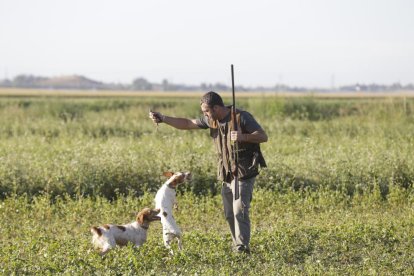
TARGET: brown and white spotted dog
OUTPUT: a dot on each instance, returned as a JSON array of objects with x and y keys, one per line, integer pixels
[
  {"x": 108, "y": 236},
  {"x": 165, "y": 200}
]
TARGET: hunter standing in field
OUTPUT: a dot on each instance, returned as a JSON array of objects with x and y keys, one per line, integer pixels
[{"x": 217, "y": 117}]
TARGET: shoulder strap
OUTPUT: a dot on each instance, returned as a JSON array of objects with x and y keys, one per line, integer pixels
[{"x": 213, "y": 123}]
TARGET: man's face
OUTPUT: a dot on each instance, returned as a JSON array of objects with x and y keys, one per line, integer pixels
[{"x": 210, "y": 112}]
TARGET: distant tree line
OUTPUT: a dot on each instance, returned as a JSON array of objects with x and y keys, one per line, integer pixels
[{"x": 142, "y": 84}]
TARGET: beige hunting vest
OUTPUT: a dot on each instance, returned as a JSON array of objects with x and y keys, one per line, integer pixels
[{"x": 249, "y": 154}]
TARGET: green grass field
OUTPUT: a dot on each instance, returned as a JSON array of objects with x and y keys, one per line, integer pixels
[{"x": 336, "y": 197}]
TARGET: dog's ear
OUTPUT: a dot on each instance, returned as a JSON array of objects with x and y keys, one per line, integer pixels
[
  {"x": 168, "y": 174},
  {"x": 141, "y": 215}
]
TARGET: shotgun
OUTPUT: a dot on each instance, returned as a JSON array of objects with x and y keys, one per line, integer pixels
[{"x": 235, "y": 144}]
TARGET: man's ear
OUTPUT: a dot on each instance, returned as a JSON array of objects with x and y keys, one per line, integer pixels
[{"x": 168, "y": 174}]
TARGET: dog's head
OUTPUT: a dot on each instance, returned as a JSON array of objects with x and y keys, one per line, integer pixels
[
  {"x": 175, "y": 179},
  {"x": 147, "y": 215}
]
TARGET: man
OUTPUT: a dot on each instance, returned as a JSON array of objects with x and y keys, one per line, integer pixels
[{"x": 217, "y": 117}]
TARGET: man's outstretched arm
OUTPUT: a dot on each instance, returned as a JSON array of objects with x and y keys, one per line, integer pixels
[{"x": 179, "y": 123}]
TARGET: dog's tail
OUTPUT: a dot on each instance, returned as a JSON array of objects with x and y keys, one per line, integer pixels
[{"x": 96, "y": 230}]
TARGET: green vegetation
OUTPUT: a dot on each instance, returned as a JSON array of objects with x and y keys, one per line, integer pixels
[{"x": 337, "y": 197}]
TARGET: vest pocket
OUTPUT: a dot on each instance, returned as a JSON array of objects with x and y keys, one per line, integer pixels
[{"x": 248, "y": 165}]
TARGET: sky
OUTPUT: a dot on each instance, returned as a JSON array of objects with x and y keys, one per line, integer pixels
[{"x": 313, "y": 43}]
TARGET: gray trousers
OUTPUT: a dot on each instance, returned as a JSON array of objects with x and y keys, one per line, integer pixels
[{"x": 237, "y": 211}]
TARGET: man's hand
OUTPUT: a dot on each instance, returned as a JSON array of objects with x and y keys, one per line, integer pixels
[
  {"x": 156, "y": 117},
  {"x": 237, "y": 136},
  {"x": 259, "y": 136}
]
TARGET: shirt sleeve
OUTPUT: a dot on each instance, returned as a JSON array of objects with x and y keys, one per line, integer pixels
[
  {"x": 248, "y": 123},
  {"x": 202, "y": 122}
]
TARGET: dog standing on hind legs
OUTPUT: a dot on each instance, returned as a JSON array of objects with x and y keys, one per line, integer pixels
[{"x": 165, "y": 200}]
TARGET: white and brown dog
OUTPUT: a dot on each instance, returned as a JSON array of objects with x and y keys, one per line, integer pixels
[
  {"x": 165, "y": 200},
  {"x": 108, "y": 236}
]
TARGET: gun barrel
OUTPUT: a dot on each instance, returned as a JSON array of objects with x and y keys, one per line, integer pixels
[{"x": 235, "y": 146}]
